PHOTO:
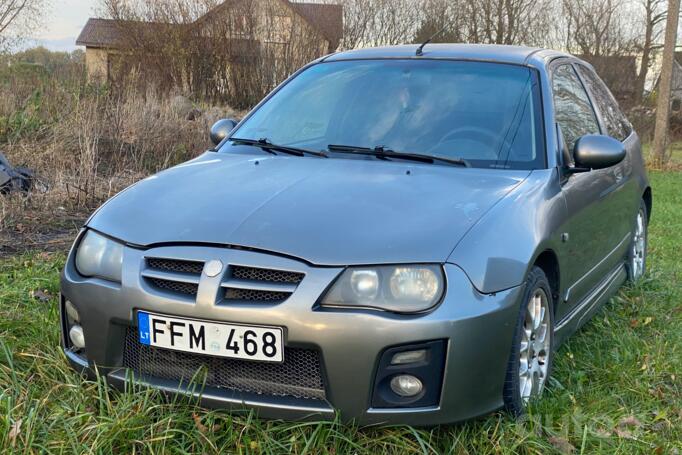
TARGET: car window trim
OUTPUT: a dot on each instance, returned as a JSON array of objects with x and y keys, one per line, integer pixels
[
  {"x": 597, "y": 112},
  {"x": 551, "y": 70},
  {"x": 590, "y": 99},
  {"x": 588, "y": 67}
]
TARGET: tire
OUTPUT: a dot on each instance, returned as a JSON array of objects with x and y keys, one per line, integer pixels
[
  {"x": 540, "y": 353},
  {"x": 637, "y": 253}
]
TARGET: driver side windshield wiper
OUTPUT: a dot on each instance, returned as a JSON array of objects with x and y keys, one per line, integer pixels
[
  {"x": 268, "y": 146},
  {"x": 384, "y": 153}
]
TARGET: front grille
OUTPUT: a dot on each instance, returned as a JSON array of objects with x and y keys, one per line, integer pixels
[
  {"x": 178, "y": 276},
  {"x": 255, "y": 295},
  {"x": 299, "y": 376},
  {"x": 176, "y": 265},
  {"x": 264, "y": 285},
  {"x": 175, "y": 286},
  {"x": 272, "y": 276}
]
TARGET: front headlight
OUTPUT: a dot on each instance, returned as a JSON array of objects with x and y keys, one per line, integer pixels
[
  {"x": 400, "y": 288},
  {"x": 100, "y": 257}
]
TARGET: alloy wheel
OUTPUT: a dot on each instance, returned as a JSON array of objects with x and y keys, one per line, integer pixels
[{"x": 535, "y": 345}]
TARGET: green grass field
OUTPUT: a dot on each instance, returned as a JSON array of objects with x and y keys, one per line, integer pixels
[{"x": 617, "y": 386}]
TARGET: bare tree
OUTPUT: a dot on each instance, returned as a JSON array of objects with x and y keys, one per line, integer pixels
[
  {"x": 357, "y": 21},
  {"x": 597, "y": 28},
  {"x": 486, "y": 21},
  {"x": 654, "y": 17},
  {"x": 660, "y": 155},
  {"x": 17, "y": 17},
  {"x": 504, "y": 21},
  {"x": 442, "y": 20},
  {"x": 379, "y": 22}
]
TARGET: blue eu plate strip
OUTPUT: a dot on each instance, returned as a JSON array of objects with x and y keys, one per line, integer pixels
[{"x": 143, "y": 327}]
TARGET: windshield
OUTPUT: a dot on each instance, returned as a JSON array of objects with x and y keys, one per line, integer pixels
[{"x": 485, "y": 113}]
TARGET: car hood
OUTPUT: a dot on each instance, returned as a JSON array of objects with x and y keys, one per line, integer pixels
[{"x": 326, "y": 211}]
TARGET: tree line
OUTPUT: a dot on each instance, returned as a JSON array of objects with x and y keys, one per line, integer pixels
[
  {"x": 590, "y": 28},
  {"x": 219, "y": 54}
]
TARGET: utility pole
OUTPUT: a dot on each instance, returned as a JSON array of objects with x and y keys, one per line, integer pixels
[{"x": 665, "y": 85}]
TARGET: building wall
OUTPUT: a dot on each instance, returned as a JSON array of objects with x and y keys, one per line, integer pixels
[{"x": 97, "y": 64}]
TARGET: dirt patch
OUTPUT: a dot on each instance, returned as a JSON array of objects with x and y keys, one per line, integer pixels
[{"x": 43, "y": 230}]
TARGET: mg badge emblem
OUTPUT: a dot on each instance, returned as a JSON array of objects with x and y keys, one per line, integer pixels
[{"x": 213, "y": 268}]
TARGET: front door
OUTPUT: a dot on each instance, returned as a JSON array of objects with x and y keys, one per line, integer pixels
[{"x": 590, "y": 234}]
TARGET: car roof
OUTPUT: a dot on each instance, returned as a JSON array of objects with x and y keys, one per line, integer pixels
[{"x": 518, "y": 55}]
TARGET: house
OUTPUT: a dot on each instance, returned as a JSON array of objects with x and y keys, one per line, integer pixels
[
  {"x": 619, "y": 72},
  {"x": 274, "y": 27}
]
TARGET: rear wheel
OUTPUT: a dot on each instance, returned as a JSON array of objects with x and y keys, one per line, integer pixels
[
  {"x": 636, "y": 263},
  {"x": 530, "y": 360}
]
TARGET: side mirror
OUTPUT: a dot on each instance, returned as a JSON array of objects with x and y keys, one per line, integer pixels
[
  {"x": 597, "y": 152},
  {"x": 221, "y": 129}
]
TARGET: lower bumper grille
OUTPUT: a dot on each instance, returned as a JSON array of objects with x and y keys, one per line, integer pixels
[{"x": 299, "y": 376}]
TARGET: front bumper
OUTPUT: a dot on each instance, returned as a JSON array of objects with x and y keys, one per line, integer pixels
[{"x": 477, "y": 330}]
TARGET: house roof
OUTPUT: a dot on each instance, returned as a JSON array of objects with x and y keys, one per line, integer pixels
[
  {"x": 108, "y": 32},
  {"x": 99, "y": 33},
  {"x": 325, "y": 18}
]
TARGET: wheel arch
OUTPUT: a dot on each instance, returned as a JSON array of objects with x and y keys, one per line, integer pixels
[
  {"x": 648, "y": 201},
  {"x": 548, "y": 261},
  {"x": 498, "y": 252}
]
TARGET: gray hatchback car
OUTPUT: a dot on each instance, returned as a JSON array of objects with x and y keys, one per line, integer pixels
[{"x": 396, "y": 234}]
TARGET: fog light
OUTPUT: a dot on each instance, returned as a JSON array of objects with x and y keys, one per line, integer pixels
[
  {"x": 72, "y": 312},
  {"x": 77, "y": 337},
  {"x": 406, "y": 385},
  {"x": 402, "y": 358}
]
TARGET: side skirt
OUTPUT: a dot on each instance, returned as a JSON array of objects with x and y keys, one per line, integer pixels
[{"x": 590, "y": 304}]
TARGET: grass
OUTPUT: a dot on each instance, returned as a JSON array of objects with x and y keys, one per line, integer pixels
[{"x": 617, "y": 386}]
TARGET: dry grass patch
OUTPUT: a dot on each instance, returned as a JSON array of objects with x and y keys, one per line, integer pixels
[{"x": 86, "y": 144}]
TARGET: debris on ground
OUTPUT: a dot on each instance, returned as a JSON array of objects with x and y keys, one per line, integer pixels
[{"x": 19, "y": 179}]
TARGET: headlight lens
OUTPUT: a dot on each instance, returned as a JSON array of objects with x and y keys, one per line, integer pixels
[
  {"x": 400, "y": 289},
  {"x": 98, "y": 256}
]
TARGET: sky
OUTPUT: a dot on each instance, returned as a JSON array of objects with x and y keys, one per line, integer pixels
[{"x": 63, "y": 23}]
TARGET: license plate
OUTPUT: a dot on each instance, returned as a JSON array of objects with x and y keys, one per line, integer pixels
[{"x": 211, "y": 338}]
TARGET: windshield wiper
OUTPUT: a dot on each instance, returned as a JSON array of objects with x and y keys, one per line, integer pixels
[
  {"x": 268, "y": 146},
  {"x": 384, "y": 153}
]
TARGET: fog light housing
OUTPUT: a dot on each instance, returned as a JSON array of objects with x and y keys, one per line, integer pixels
[
  {"x": 405, "y": 357},
  {"x": 410, "y": 375},
  {"x": 72, "y": 312},
  {"x": 406, "y": 385},
  {"x": 76, "y": 336}
]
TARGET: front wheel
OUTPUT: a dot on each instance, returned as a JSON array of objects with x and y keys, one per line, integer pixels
[
  {"x": 636, "y": 263},
  {"x": 530, "y": 360}
]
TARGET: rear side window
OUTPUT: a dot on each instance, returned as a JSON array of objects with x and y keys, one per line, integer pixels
[
  {"x": 617, "y": 125},
  {"x": 572, "y": 106}
]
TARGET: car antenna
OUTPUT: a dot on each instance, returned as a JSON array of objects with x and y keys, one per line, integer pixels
[{"x": 420, "y": 49}]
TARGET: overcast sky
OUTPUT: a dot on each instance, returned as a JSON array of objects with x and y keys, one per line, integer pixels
[{"x": 64, "y": 22}]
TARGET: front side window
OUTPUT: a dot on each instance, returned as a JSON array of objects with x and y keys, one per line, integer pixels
[
  {"x": 572, "y": 107},
  {"x": 486, "y": 113},
  {"x": 617, "y": 125}
]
